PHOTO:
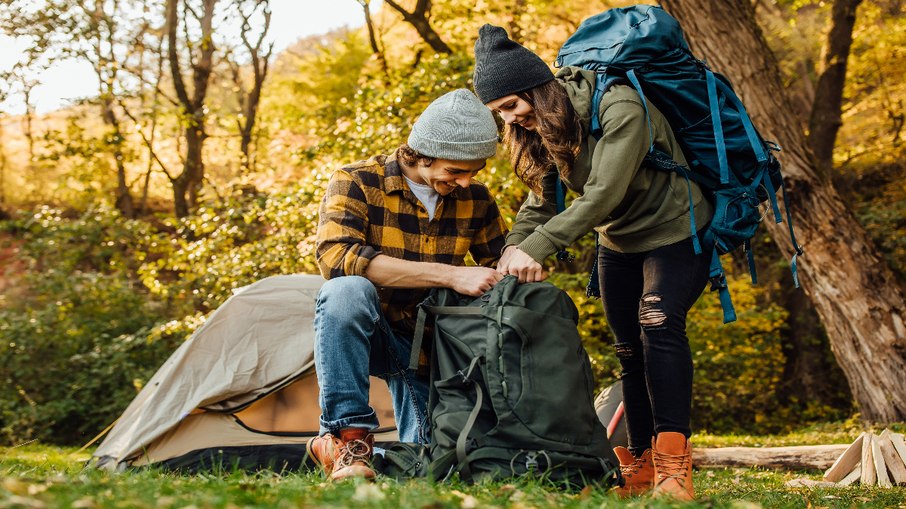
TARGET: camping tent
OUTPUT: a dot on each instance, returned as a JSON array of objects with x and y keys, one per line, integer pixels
[
  {"x": 609, "y": 407},
  {"x": 240, "y": 391}
]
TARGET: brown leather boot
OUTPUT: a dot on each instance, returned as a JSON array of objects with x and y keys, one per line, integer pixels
[
  {"x": 638, "y": 473},
  {"x": 673, "y": 466},
  {"x": 344, "y": 456}
]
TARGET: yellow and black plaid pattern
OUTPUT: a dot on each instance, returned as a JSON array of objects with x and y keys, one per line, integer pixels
[{"x": 369, "y": 210}]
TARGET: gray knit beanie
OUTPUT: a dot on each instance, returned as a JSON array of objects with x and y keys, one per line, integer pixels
[
  {"x": 504, "y": 67},
  {"x": 455, "y": 126}
]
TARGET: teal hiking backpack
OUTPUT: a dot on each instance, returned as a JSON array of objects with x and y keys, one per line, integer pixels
[
  {"x": 644, "y": 46},
  {"x": 511, "y": 390}
]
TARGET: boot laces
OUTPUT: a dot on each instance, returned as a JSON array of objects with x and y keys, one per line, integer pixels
[
  {"x": 671, "y": 466},
  {"x": 352, "y": 452},
  {"x": 632, "y": 468}
]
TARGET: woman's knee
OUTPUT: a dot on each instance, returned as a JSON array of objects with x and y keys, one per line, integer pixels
[{"x": 657, "y": 313}]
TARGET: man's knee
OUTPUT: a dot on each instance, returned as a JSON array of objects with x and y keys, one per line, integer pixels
[
  {"x": 347, "y": 286},
  {"x": 347, "y": 292}
]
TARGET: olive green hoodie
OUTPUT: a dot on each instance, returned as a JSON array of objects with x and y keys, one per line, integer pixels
[{"x": 634, "y": 208}]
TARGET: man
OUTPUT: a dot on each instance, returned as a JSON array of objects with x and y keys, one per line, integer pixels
[{"x": 390, "y": 228}]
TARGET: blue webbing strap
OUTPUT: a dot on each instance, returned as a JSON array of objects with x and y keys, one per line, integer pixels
[
  {"x": 661, "y": 161},
  {"x": 752, "y": 134},
  {"x": 719, "y": 283},
  {"x": 796, "y": 246},
  {"x": 772, "y": 194},
  {"x": 561, "y": 195},
  {"x": 747, "y": 247},
  {"x": 560, "y": 192},
  {"x": 596, "y": 104},
  {"x": 638, "y": 87},
  {"x": 696, "y": 245},
  {"x": 717, "y": 124}
]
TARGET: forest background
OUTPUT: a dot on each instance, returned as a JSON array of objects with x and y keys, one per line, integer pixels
[{"x": 199, "y": 165}]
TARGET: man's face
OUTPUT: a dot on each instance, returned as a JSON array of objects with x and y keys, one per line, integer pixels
[{"x": 445, "y": 175}]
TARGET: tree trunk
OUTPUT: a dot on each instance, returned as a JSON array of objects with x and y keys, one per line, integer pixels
[
  {"x": 187, "y": 185},
  {"x": 372, "y": 36},
  {"x": 122, "y": 195},
  {"x": 260, "y": 61},
  {"x": 856, "y": 294},
  {"x": 826, "y": 119},
  {"x": 418, "y": 18},
  {"x": 810, "y": 374}
]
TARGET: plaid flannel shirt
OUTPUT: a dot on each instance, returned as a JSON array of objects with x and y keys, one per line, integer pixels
[{"x": 368, "y": 210}]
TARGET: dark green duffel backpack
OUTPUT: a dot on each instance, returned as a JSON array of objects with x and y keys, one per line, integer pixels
[{"x": 511, "y": 387}]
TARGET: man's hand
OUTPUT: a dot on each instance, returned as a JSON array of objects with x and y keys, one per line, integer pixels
[
  {"x": 473, "y": 281},
  {"x": 515, "y": 262}
]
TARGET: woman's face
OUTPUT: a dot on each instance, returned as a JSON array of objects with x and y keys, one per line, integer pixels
[{"x": 515, "y": 110}]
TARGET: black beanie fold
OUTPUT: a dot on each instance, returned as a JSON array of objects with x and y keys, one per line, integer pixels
[{"x": 504, "y": 67}]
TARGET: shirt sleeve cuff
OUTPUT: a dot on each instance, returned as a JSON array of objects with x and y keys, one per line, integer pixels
[{"x": 362, "y": 259}]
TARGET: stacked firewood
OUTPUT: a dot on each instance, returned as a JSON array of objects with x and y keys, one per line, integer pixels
[{"x": 871, "y": 460}]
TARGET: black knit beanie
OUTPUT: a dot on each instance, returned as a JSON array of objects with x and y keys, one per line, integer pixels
[{"x": 504, "y": 67}]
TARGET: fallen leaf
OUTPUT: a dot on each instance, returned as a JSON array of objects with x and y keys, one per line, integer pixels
[
  {"x": 15, "y": 486},
  {"x": 368, "y": 493},
  {"x": 30, "y": 503},
  {"x": 84, "y": 503}
]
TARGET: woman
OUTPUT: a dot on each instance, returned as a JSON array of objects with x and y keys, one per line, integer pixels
[{"x": 649, "y": 273}]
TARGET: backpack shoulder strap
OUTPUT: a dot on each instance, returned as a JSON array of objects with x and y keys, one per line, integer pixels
[
  {"x": 423, "y": 310},
  {"x": 638, "y": 88},
  {"x": 603, "y": 82}
]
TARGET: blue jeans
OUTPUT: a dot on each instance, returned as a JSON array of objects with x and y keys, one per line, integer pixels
[{"x": 352, "y": 341}]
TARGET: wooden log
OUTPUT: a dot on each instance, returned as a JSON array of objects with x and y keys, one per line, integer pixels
[
  {"x": 852, "y": 477},
  {"x": 869, "y": 474},
  {"x": 899, "y": 445},
  {"x": 795, "y": 457},
  {"x": 880, "y": 467},
  {"x": 846, "y": 462},
  {"x": 893, "y": 460}
]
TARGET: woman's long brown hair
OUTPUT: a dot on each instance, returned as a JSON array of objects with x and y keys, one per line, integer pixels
[{"x": 557, "y": 142}]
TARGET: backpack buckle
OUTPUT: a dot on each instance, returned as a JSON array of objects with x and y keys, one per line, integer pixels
[
  {"x": 532, "y": 465},
  {"x": 718, "y": 282},
  {"x": 531, "y": 461}
]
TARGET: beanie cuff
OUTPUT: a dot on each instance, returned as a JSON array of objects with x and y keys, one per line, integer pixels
[
  {"x": 453, "y": 150},
  {"x": 490, "y": 93}
]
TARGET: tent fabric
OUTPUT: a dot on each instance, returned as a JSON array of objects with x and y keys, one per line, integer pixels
[
  {"x": 258, "y": 341},
  {"x": 280, "y": 423}
]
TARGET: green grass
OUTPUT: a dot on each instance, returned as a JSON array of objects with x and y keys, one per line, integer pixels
[
  {"x": 818, "y": 434},
  {"x": 36, "y": 476}
]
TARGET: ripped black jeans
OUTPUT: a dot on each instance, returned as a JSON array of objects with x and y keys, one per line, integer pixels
[{"x": 646, "y": 298}]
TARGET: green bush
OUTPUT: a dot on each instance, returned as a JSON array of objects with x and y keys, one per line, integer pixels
[
  {"x": 226, "y": 246},
  {"x": 108, "y": 300}
]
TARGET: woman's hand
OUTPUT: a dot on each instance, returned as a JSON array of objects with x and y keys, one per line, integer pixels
[{"x": 515, "y": 262}]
